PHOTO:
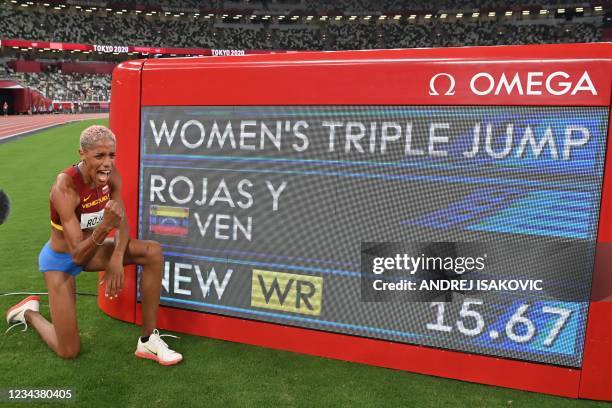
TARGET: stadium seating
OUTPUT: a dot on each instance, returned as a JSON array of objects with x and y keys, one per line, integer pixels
[
  {"x": 135, "y": 29},
  {"x": 63, "y": 87}
]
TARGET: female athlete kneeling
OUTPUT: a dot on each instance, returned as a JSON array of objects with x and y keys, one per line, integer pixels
[{"x": 86, "y": 206}]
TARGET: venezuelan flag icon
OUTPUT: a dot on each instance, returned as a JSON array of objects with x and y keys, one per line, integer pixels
[{"x": 164, "y": 220}]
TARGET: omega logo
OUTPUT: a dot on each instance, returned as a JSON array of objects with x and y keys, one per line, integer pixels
[
  {"x": 556, "y": 83},
  {"x": 451, "y": 84}
]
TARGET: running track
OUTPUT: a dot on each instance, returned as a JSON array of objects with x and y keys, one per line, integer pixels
[{"x": 15, "y": 125}]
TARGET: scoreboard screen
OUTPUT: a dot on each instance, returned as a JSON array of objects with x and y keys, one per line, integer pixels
[{"x": 304, "y": 215}]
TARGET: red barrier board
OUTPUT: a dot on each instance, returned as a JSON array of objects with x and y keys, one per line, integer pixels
[{"x": 265, "y": 178}]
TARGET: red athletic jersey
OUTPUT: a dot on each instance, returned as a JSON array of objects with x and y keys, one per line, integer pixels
[{"x": 90, "y": 210}]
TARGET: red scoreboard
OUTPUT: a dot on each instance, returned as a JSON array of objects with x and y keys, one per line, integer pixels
[{"x": 441, "y": 211}]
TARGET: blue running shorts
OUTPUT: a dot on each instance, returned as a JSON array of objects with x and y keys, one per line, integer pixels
[{"x": 49, "y": 260}]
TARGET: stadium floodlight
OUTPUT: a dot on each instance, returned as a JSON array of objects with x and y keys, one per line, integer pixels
[
  {"x": 491, "y": 14},
  {"x": 598, "y": 8},
  {"x": 14, "y": 1},
  {"x": 309, "y": 18},
  {"x": 412, "y": 17},
  {"x": 475, "y": 14},
  {"x": 443, "y": 16},
  {"x": 149, "y": 14},
  {"x": 579, "y": 9},
  {"x": 525, "y": 12},
  {"x": 46, "y": 4},
  {"x": 119, "y": 12},
  {"x": 508, "y": 13},
  {"x": 295, "y": 18},
  {"x": 367, "y": 17},
  {"x": 57, "y": 8},
  {"x": 352, "y": 18},
  {"x": 427, "y": 16},
  {"x": 253, "y": 16},
  {"x": 24, "y": 5},
  {"x": 543, "y": 11},
  {"x": 323, "y": 18},
  {"x": 109, "y": 9},
  {"x": 382, "y": 17},
  {"x": 138, "y": 11},
  {"x": 397, "y": 17},
  {"x": 338, "y": 18},
  {"x": 88, "y": 10},
  {"x": 281, "y": 17},
  {"x": 561, "y": 10},
  {"x": 459, "y": 15},
  {"x": 77, "y": 7}
]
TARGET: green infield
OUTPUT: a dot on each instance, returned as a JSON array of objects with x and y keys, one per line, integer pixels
[{"x": 213, "y": 373}]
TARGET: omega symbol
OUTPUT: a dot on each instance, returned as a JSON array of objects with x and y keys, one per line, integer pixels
[{"x": 451, "y": 84}]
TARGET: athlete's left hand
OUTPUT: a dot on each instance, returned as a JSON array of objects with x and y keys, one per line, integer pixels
[{"x": 113, "y": 277}]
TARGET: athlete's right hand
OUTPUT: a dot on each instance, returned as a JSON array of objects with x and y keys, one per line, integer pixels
[
  {"x": 113, "y": 214},
  {"x": 113, "y": 278}
]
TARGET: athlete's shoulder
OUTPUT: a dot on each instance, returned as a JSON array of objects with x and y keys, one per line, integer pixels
[
  {"x": 71, "y": 171},
  {"x": 64, "y": 183}
]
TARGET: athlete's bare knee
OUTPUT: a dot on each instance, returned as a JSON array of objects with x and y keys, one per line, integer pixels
[
  {"x": 68, "y": 346},
  {"x": 154, "y": 253},
  {"x": 69, "y": 352}
]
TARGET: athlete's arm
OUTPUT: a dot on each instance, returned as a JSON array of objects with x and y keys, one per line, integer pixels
[
  {"x": 65, "y": 199},
  {"x": 122, "y": 235},
  {"x": 114, "y": 269}
]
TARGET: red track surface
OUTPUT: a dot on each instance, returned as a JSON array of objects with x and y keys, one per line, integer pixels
[{"x": 11, "y": 126}]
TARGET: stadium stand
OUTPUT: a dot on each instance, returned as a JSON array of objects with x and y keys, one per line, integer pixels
[
  {"x": 81, "y": 27},
  {"x": 67, "y": 87}
]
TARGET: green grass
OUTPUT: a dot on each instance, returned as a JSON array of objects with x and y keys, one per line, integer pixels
[{"x": 214, "y": 373}]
